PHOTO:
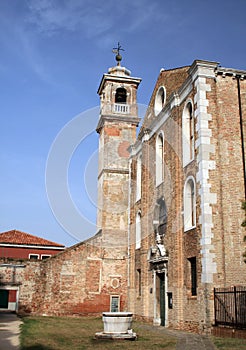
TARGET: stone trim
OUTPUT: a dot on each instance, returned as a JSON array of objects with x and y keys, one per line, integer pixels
[
  {"x": 116, "y": 119},
  {"x": 113, "y": 171},
  {"x": 205, "y": 148}
]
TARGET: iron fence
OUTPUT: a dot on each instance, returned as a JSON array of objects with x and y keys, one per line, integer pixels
[{"x": 230, "y": 306}]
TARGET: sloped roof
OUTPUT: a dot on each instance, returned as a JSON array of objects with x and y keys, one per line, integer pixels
[{"x": 23, "y": 238}]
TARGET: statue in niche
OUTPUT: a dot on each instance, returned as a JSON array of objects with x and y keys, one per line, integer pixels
[{"x": 160, "y": 225}]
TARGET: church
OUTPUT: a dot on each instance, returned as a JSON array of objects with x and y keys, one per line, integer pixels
[
  {"x": 187, "y": 188},
  {"x": 169, "y": 205}
]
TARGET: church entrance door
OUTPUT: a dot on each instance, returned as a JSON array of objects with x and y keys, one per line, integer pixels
[{"x": 162, "y": 298}]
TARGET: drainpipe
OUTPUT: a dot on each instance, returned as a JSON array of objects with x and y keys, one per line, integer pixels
[{"x": 241, "y": 130}]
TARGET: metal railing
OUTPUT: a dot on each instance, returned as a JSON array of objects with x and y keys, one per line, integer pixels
[
  {"x": 230, "y": 306},
  {"x": 121, "y": 108}
]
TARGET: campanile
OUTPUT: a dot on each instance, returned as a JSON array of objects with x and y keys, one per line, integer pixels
[{"x": 117, "y": 129}]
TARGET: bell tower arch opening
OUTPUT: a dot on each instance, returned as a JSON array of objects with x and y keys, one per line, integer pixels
[{"x": 121, "y": 95}]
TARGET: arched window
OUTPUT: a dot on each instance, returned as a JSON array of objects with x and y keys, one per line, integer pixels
[
  {"x": 162, "y": 217},
  {"x": 159, "y": 158},
  {"x": 188, "y": 133},
  {"x": 139, "y": 177},
  {"x": 189, "y": 204},
  {"x": 120, "y": 96},
  {"x": 138, "y": 230},
  {"x": 160, "y": 99}
]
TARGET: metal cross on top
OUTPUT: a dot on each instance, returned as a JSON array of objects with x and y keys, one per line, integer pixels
[{"x": 117, "y": 50}]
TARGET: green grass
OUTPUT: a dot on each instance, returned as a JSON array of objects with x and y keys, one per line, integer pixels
[
  {"x": 60, "y": 333},
  {"x": 51, "y": 333},
  {"x": 229, "y": 343}
]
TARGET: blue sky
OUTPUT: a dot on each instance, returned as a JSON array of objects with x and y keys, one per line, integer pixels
[{"x": 53, "y": 55}]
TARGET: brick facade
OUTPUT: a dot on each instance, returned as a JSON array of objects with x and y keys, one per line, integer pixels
[{"x": 214, "y": 245}]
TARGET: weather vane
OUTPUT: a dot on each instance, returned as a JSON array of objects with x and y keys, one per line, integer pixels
[{"x": 118, "y": 56}]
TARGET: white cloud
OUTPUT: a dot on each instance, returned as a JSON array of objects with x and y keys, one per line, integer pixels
[
  {"x": 143, "y": 13},
  {"x": 51, "y": 17},
  {"x": 103, "y": 23},
  {"x": 93, "y": 18},
  {"x": 21, "y": 43},
  {"x": 34, "y": 58}
]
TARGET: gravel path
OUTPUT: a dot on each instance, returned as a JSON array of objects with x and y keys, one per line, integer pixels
[
  {"x": 186, "y": 340},
  {"x": 9, "y": 331}
]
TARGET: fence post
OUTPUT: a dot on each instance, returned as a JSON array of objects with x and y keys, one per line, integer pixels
[
  {"x": 215, "y": 308},
  {"x": 235, "y": 301}
]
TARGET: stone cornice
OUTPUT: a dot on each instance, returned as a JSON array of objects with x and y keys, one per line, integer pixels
[
  {"x": 119, "y": 79},
  {"x": 115, "y": 119},
  {"x": 113, "y": 171},
  {"x": 12, "y": 284},
  {"x": 230, "y": 72},
  {"x": 202, "y": 68}
]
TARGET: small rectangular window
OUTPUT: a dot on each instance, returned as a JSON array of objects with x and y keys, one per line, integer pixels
[
  {"x": 33, "y": 256},
  {"x": 170, "y": 300},
  {"x": 114, "y": 303},
  {"x": 44, "y": 256},
  {"x": 139, "y": 282},
  {"x": 193, "y": 276}
]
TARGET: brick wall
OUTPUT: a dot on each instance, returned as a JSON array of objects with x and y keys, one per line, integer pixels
[
  {"x": 219, "y": 194},
  {"x": 227, "y": 181},
  {"x": 79, "y": 281}
]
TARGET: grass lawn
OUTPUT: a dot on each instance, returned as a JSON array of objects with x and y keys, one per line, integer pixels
[
  {"x": 229, "y": 343},
  {"x": 60, "y": 333}
]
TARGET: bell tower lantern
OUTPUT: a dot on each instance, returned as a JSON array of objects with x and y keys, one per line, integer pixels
[{"x": 117, "y": 129}]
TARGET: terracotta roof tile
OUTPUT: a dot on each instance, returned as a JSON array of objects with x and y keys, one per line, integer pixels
[{"x": 18, "y": 237}]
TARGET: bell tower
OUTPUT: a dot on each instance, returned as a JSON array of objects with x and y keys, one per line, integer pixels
[{"x": 117, "y": 129}]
